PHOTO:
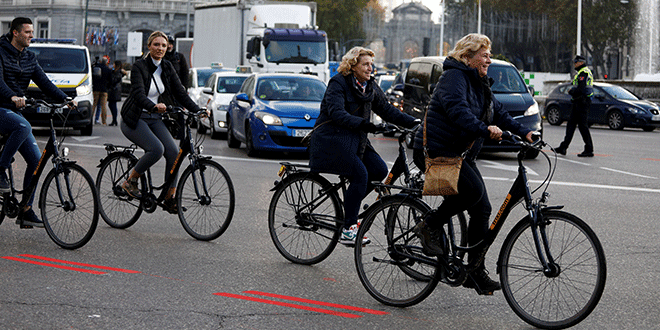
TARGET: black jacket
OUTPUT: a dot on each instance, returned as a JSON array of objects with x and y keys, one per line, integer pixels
[
  {"x": 141, "y": 79},
  {"x": 456, "y": 112},
  {"x": 101, "y": 83},
  {"x": 17, "y": 69},
  {"x": 343, "y": 109},
  {"x": 180, "y": 66},
  {"x": 114, "y": 89}
]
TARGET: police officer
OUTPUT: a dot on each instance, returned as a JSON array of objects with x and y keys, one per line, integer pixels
[{"x": 581, "y": 93}]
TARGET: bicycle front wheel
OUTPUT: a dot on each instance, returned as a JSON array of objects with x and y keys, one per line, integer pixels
[
  {"x": 118, "y": 209},
  {"x": 392, "y": 267},
  {"x": 564, "y": 295},
  {"x": 205, "y": 196},
  {"x": 304, "y": 221},
  {"x": 69, "y": 206}
]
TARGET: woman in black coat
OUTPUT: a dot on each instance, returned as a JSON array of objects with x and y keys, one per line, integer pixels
[
  {"x": 153, "y": 78},
  {"x": 463, "y": 110},
  {"x": 339, "y": 143},
  {"x": 114, "y": 90}
]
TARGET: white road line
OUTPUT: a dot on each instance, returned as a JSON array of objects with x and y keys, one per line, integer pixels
[
  {"x": 583, "y": 185},
  {"x": 633, "y": 174},
  {"x": 573, "y": 161}
]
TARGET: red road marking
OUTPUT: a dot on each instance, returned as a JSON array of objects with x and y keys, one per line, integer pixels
[
  {"x": 653, "y": 159},
  {"x": 55, "y": 266},
  {"x": 279, "y": 303},
  {"x": 80, "y": 264},
  {"x": 321, "y": 303}
]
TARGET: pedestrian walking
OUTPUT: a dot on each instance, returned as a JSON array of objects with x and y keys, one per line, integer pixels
[
  {"x": 581, "y": 94},
  {"x": 101, "y": 78},
  {"x": 114, "y": 91}
]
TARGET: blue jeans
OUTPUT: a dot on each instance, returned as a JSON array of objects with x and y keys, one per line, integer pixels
[
  {"x": 370, "y": 168},
  {"x": 20, "y": 139}
]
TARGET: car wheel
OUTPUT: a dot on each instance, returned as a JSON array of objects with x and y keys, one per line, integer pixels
[
  {"x": 87, "y": 130},
  {"x": 615, "y": 120},
  {"x": 249, "y": 144},
  {"x": 648, "y": 129},
  {"x": 232, "y": 142},
  {"x": 554, "y": 116}
]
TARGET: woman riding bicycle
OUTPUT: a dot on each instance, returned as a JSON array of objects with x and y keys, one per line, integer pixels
[
  {"x": 463, "y": 110},
  {"x": 339, "y": 144},
  {"x": 153, "y": 78}
]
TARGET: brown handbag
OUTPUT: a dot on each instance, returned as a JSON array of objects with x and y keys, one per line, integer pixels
[{"x": 441, "y": 176}]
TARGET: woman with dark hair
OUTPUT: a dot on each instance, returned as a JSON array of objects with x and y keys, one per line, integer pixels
[
  {"x": 114, "y": 90},
  {"x": 153, "y": 78},
  {"x": 339, "y": 143},
  {"x": 462, "y": 113}
]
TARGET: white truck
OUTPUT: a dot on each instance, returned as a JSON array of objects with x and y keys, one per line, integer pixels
[{"x": 269, "y": 36}]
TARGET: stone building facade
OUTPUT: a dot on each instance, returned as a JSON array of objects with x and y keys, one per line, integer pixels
[{"x": 404, "y": 34}]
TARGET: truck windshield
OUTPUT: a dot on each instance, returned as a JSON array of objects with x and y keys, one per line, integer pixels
[
  {"x": 281, "y": 51},
  {"x": 61, "y": 60}
]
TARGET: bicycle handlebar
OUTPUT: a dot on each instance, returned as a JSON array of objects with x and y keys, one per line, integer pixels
[
  {"x": 52, "y": 106},
  {"x": 391, "y": 128},
  {"x": 175, "y": 109},
  {"x": 519, "y": 141}
]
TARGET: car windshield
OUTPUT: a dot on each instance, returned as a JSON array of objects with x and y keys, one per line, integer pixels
[
  {"x": 386, "y": 83},
  {"x": 312, "y": 52},
  {"x": 61, "y": 60},
  {"x": 203, "y": 75},
  {"x": 291, "y": 89},
  {"x": 230, "y": 84},
  {"x": 507, "y": 80},
  {"x": 619, "y": 93}
]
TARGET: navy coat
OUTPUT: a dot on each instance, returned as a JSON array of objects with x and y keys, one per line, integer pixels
[
  {"x": 16, "y": 71},
  {"x": 456, "y": 113},
  {"x": 337, "y": 137}
]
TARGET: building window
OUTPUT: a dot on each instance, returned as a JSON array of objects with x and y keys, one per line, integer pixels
[
  {"x": 43, "y": 30},
  {"x": 4, "y": 29}
]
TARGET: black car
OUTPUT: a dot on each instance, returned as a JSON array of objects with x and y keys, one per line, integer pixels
[
  {"x": 509, "y": 88},
  {"x": 611, "y": 105}
]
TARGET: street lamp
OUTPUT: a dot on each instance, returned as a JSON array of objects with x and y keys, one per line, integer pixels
[{"x": 578, "y": 49}]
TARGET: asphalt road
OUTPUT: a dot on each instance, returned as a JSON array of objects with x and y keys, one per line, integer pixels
[{"x": 154, "y": 276}]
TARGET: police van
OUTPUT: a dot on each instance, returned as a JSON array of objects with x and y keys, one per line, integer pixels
[{"x": 69, "y": 67}]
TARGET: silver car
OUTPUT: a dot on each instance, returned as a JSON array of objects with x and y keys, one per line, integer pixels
[{"x": 216, "y": 94}]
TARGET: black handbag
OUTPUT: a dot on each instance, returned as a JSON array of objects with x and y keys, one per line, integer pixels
[{"x": 129, "y": 106}]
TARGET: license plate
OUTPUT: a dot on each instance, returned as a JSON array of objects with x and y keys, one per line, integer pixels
[
  {"x": 43, "y": 109},
  {"x": 655, "y": 118},
  {"x": 301, "y": 132}
]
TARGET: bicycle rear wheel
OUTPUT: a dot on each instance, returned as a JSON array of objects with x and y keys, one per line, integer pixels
[
  {"x": 205, "y": 196},
  {"x": 304, "y": 222},
  {"x": 571, "y": 290},
  {"x": 118, "y": 209},
  {"x": 392, "y": 267},
  {"x": 69, "y": 206}
]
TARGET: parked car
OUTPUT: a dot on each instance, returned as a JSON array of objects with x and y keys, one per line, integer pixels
[
  {"x": 509, "y": 89},
  {"x": 271, "y": 112},
  {"x": 611, "y": 105},
  {"x": 198, "y": 77},
  {"x": 216, "y": 94},
  {"x": 68, "y": 66},
  {"x": 385, "y": 81}
]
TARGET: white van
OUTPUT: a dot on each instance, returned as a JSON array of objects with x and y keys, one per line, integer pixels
[{"x": 69, "y": 67}]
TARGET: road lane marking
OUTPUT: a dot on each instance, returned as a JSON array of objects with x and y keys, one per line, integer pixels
[
  {"x": 80, "y": 264},
  {"x": 510, "y": 168},
  {"x": 296, "y": 306},
  {"x": 95, "y": 272},
  {"x": 628, "y": 173},
  {"x": 315, "y": 302},
  {"x": 582, "y": 185}
]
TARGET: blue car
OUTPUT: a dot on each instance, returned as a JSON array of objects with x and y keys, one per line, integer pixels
[{"x": 273, "y": 112}]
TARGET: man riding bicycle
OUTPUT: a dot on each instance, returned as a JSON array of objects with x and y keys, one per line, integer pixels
[{"x": 17, "y": 67}]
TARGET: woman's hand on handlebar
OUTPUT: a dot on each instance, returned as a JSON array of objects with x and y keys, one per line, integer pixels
[
  {"x": 160, "y": 107},
  {"x": 495, "y": 132},
  {"x": 531, "y": 137}
]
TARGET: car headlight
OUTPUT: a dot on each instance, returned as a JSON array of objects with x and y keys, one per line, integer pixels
[
  {"x": 636, "y": 110},
  {"x": 222, "y": 107},
  {"x": 268, "y": 119},
  {"x": 532, "y": 110},
  {"x": 85, "y": 88}
]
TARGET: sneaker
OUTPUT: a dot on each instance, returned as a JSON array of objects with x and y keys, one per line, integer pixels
[
  {"x": 349, "y": 235},
  {"x": 561, "y": 150},
  {"x": 434, "y": 241},
  {"x": 169, "y": 205},
  {"x": 480, "y": 282},
  {"x": 586, "y": 154},
  {"x": 29, "y": 219},
  {"x": 131, "y": 188},
  {"x": 4, "y": 183}
]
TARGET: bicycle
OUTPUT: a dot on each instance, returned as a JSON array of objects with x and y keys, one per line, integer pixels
[
  {"x": 306, "y": 212},
  {"x": 67, "y": 200},
  {"x": 552, "y": 266},
  {"x": 204, "y": 194}
]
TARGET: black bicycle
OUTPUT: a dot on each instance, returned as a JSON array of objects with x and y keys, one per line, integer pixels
[
  {"x": 552, "y": 266},
  {"x": 204, "y": 194},
  {"x": 67, "y": 200},
  {"x": 306, "y": 211}
]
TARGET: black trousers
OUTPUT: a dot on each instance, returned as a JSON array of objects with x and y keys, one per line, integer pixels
[{"x": 579, "y": 116}]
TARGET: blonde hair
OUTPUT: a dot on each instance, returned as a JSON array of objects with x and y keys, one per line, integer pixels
[
  {"x": 153, "y": 36},
  {"x": 351, "y": 59},
  {"x": 468, "y": 46}
]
